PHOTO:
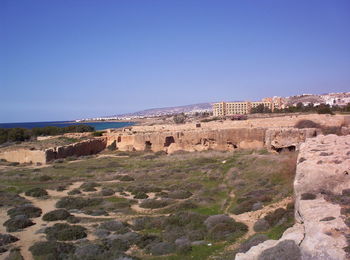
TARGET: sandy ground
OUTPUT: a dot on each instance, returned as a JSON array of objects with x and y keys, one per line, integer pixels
[{"x": 28, "y": 236}]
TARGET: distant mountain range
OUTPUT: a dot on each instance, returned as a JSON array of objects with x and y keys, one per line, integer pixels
[{"x": 171, "y": 110}]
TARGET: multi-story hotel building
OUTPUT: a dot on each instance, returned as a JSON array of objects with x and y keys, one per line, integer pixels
[{"x": 242, "y": 108}]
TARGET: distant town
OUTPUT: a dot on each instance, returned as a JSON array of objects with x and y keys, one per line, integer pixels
[{"x": 226, "y": 108}]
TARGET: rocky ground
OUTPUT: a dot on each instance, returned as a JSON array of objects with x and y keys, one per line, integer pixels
[
  {"x": 207, "y": 205},
  {"x": 322, "y": 207}
]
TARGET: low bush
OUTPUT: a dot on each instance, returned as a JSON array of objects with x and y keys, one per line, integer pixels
[
  {"x": 243, "y": 207},
  {"x": 225, "y": 231},
  {"x": 51, "y": 250},
  {"x": 77, "y": 202},
  {"x": 261, "y": 225},
  {"x": 10, "y": 199},
  {"x": 162, "y": 248},
  {"x": 89, "y": 186},
  {"x": 124, "y": 178},
  {"x": 107, "y": 192},
  {"x": 74, "y": 192},
  {"x": 36, "y": 192},
  {"x": 61, "y": 188},
  {"x": 306, "y": 124},
  {"x": 140, "y": 195},
  {"x": 27, "y": 210},
  {"x": 116, "y": 244},
  {"x": 147, "y": 239},
  {"x": 115, "y": 226},
  {"x": 221, "y": 227},
  {"x": 89, "y": 251},
  {"x": 15, "y": 254},
  {"x": 179, "y": 194},
  {"x": 58, "y": 214},
  {"x": 276, "y": 216},
  {"x": 180, "y": 206},
  {"x": 141, "y": 223},
  {"x": 6, "y": 239},
  {"x": 17, "y": 223},
  {"x": 65, "y": 232},
  {"x": 155, "y": 204},
  {"x": 45, "y": 178}
]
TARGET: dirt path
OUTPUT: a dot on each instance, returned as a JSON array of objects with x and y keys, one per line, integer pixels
[
  {"x": 249, "y": 218},
  {"x": 28, "y": 236}
]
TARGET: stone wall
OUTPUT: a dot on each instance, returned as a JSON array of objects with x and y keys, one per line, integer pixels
[
  {"x": 322, "y": 205},
  {"x": 24, "y": 156},
  {"x": 86, "y": 147}
]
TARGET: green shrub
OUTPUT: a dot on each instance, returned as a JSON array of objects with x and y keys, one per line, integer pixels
[
  {"x": 179, "y": 194},
  {"x": 36, "y": 192},
  {"x": 274, "y": 217},
  {"x": 17, "y": 223},
  {"x": 89, "y": 186},
  {"x": 243, "y": 207},
  {"x": 224, "y": 231},
  {"x": 27, "y": 210},
  {"x": 306, "y": 124},
  {"x": 124, "y": 178},
  {"x": 77, "y": 202},
  {"x": 45, "y": 178},
  {"x": 179, "y": 118},
  {"x": 57, "y": 214},
  {"x": 51, "y": 250},
  {"x": 155, "y": 204},
  {"x": 74, "y": 192},
  {"x": 65, "y": 232},
  {"x": 140, "y": 195}
]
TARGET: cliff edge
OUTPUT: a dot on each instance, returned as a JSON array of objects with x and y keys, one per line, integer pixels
[{"x": 322, "y": 206}]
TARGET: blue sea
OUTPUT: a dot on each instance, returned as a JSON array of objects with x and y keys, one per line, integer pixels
[{"x": 96, "y": 125}]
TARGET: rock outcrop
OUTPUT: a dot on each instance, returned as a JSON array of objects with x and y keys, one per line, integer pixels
[
  {"x": 288, "y": 138},
  {"x": 322, "y": 207},
  {"x": 193, "y": 140},
  {"x": 219, "y": 139}
]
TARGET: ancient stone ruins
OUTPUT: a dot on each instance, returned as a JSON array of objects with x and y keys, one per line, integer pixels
[{"x": 276, "y": 133}]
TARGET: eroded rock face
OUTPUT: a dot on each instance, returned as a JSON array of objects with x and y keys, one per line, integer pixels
[
  {"x": 218, "y": 139},
  {"x": 322, "y": 203},
  {"x": 288, "y": 138}
]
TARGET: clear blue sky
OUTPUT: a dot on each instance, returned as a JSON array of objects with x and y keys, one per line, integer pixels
[{"x": 67, "y": 59}]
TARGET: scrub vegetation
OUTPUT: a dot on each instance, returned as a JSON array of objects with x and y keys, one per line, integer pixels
[{"x": 147, "y": 205}]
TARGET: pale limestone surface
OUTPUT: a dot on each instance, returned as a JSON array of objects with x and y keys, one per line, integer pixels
[
  {"x": 271, "y": 133},
  {"x": 27, "y": 155},
  {"x": 323, "y": 164}
]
